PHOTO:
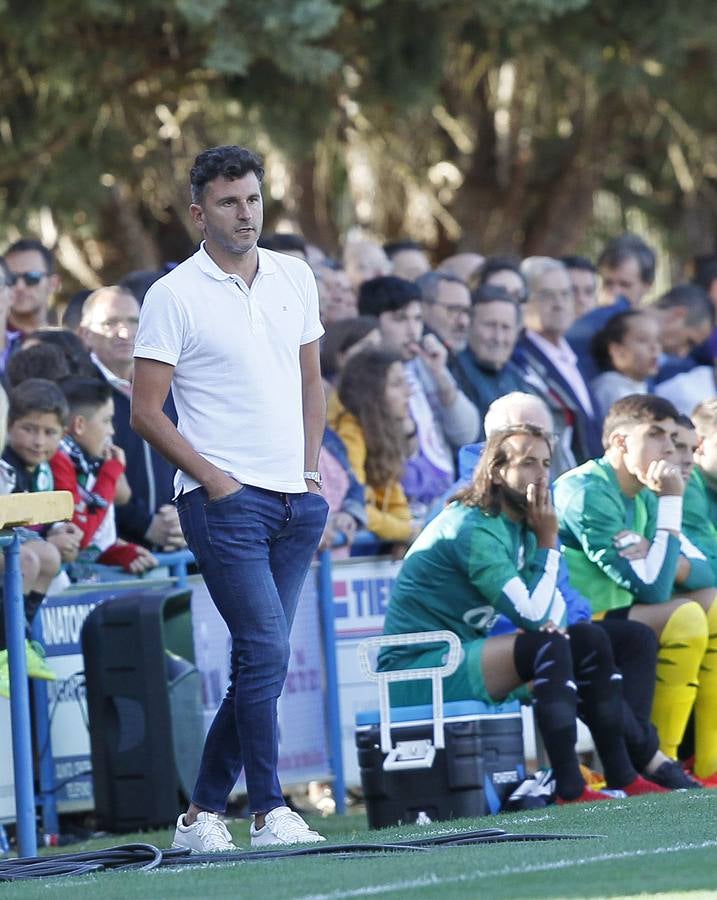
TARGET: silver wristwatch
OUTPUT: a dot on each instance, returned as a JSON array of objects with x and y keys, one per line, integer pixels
[{"x": 315, "y": 477}]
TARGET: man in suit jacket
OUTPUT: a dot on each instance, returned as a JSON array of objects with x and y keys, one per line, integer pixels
[{"x": 545, "y": 356}]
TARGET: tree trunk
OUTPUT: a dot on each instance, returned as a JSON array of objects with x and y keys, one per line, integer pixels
[{"x": 313, "y": 209}]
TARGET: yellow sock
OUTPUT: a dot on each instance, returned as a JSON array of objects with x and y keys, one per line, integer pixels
[
  {"x": 682, "y": 646},
  {"x": 706, "y": 703}
]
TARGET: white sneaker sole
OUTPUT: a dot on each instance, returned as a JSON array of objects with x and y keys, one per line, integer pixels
[
  {"x": 176, "y": 846},
  {"x": 316, "y": 840}
]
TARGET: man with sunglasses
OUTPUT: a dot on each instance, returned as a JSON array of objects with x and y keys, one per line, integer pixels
[
  {"x": 9, "y": 338},
  {"x": 33, "y": 284}
]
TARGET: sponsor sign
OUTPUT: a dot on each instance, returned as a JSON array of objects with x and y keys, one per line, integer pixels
[{"x": 362, "y": 588}]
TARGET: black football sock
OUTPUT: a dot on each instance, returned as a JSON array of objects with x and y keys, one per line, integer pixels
[
  {"x": 634, "y": 649},
  {"x": 600, "y": 701},
  {"x": 544, "y": 659}
]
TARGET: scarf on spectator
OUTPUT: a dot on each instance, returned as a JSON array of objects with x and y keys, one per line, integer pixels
[
  {"x": 86, "y": 468},
  {"x": 32, "y": 480}
]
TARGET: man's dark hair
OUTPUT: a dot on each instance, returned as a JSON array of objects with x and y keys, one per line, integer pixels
[
  {"x": 483, "y": 492},
  {"x": 394, "y": 247},
  {"x": 490, "y": 293},
  {"x": 685, "y": 421},
  {"x": 612, "y": 332},
  {"x": 693, "y": 298},
  {"x": 636, "y": 409},
  {"x": 139, "y": 281},
  {"x": 341, "y": 336},
  {"x": 629, "y": 246},
  {"x": 430, "y": 282},
  {"x": 72, "y": 313},
  {"x": 36, "y": 395},
  {"x": 38, "y": 361},
  {"x": 77, "y": 356},
  {"x": 229, "y": 162},
  {"x": 26, "y": 245},
  {"x": 85, "y": 395},
  {"x": 387, "y": 293},
  {"x": 705, "y": 270},
  {"x": 495, "y": 264},
  {"x": 578, "y": 262},
  {"x": 282, "y": 242}
]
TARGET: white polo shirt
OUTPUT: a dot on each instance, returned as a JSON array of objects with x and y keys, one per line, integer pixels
[{"x": 235, "y": 351}]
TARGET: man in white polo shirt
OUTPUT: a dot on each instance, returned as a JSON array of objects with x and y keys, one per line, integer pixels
[{"x": 234, "y": 330}]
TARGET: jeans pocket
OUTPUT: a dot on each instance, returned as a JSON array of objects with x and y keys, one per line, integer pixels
[
  {"x": 227, "y": 498},
  {"x": 320, "y": 497}
]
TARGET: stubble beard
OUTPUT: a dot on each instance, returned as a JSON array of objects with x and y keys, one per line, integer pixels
[{"x": 516, "y": 500}]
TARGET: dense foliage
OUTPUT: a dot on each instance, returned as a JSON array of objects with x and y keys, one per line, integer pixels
[{"x": 488, "y": 126}]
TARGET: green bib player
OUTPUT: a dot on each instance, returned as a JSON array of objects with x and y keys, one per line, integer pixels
[
  {"x": 621, "y": 533},
  {"x": 492, "y": 550},
  {"x": 699, "y": 525}
]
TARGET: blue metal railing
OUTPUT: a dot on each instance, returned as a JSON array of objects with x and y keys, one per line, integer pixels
[
  {"x": 333, "y": 705},
  {"x": 178, "y": 562},
  {"x": 19, "y": 696}
]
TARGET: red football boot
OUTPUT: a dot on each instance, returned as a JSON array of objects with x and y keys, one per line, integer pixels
[
  {"x": 642, "y": 786},
  {"x": 587, "y": 796}
]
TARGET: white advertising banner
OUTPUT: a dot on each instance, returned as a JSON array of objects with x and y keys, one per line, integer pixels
[{"x": 62, "y": 618}]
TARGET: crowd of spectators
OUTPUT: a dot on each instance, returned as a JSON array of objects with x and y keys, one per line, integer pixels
[{"x": 415, "y": 353}]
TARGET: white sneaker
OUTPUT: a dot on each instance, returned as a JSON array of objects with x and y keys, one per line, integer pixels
[
  {"x": 282, "y": 826},
  {"x": 207, "y": 835}
]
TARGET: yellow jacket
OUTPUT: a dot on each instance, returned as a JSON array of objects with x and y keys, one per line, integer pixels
[{"x": 388, "y": 515}]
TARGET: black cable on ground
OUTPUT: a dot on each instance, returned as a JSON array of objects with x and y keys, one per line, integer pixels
[
  {"x": 134, "y": 856},
  {"x": 145, "y": 857}
]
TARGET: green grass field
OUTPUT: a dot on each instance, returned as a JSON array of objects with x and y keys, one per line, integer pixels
[{"x": 660, "y": 844}]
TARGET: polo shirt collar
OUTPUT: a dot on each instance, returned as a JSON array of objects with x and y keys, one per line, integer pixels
[{"x": 267, "y": 266}]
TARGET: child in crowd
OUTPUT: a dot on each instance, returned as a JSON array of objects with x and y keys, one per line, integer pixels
[
  {"x": 89, "y": 466},
  {"x": 35, "y": 420},
  {"x": 374, "y": 424},
  {"x": 627, "y": 350}
]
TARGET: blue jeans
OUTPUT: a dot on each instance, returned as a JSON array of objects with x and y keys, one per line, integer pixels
[{"x": 253, "y": 548}]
